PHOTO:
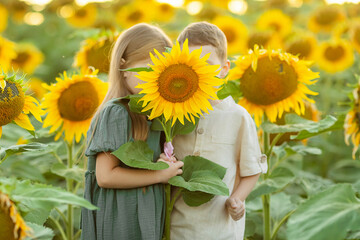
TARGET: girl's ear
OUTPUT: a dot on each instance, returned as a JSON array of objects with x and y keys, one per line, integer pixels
[{"x": 225, "y": 69}]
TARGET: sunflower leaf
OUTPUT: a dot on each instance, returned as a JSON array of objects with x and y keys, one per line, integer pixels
[
  {"x": 329, "y": 214},
  {"x": 74, "y": 173},
  {"x": 186, "y": 128},
  {"x": 201, "y": 180},
  {"x": 40, "y": 232},
  {"x": 231, "y": 88},
  {"x": 30, "y": 147},
  {"x": 140, "y": 69},
  {"x": 138, "y": 155}
]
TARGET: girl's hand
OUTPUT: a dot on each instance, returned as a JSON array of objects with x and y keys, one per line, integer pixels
[
  {"x": 235, "y": 207},
  {"x": 173, "y": 170},
  {"x": 165, "y": 158}
]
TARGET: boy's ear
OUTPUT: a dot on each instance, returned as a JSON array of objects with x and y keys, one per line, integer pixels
[{"x": 225, "y": 69}]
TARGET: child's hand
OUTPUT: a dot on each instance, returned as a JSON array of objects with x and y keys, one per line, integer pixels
[
  {"x": 235, "y": 207},
  {"x": 165, "y": 158},
  {"x": 173, "y": 170}
]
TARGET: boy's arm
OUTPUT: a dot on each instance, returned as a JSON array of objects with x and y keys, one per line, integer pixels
[{"x": 245, "y": 186}]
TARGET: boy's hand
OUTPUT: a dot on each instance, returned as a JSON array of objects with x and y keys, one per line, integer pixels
[
  {"x": 235, "y": 207},
  {"x": 163, "y": 157}
]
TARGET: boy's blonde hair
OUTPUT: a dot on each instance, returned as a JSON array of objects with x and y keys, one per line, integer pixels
[{"x": 204, "y": 33}]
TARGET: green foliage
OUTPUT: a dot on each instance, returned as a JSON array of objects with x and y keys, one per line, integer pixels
[
  {"x": 30, "y": 147},
  {"x": 40, "y": 232},
  {"x": 327, "y": 215},
  {"x": 74, "y": 173},
  {"x": 138, "y": 155},
  {"x": 231, "y": 88}
]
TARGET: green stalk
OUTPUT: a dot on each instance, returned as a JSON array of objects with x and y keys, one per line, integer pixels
[
  {"x": 168, "y": 211},
  {"x": 69, "y": 183},
  {"x": 282, "y": 221},
  {"x": 58, "y": 226},
  {"x": 266, "y": 198}
]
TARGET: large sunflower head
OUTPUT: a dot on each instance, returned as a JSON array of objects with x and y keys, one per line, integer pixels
[
  {"x": 71, "y": 103},
  {"x": 179, "y": 85},
  {"x": 235, "y": 31},
  {"x": 335, "y": 55},
  {"x": 303, "y": 46},
  {"x": 355, "y": 36},
  {"x": 352, "y": 122},
  {"x": 95, "y": 52},
  {"x": 15, "y": 104},
  {"x": 275, "y": 20},
  {"x": 134, "y": 13},
  {"x": 13, "y": 226},
  {"x": 7, "y": 53},
  {"x": 272, "y": 82},
  {"x": 325, "y": 18},
  {"x": 28, "y": 58},
  {"x": 82, "y": 17},
  {"x": 3, "y": 17}
]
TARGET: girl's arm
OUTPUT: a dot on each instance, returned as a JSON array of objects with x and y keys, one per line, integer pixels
[{"x": 110, "y": 175}]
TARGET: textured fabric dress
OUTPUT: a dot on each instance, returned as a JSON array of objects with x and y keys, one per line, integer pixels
[{"x": 123, "y": 213}]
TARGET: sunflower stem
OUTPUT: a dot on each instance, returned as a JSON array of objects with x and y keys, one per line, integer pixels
[
  {"x": 57, "y": 157},
  {"x": 282, "y": 221},
  {"x": 168, "y": 211},
  {"x": 63, "y": 217},
  {"x": 4, "y": 158},
  {"x": 69, "y": 182},
  {"x": 61, "y": 230},
  {"x": 266, "y": 197}
]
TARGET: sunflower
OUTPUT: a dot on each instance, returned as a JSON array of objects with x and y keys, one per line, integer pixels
[
  {"x": 36, "y": 88},
  {"x": 335, "y": 55},
  {"x": 71, "y": 103},
  {"x": 7, "y": 53},
  {"x": 275, "y": 20},
  {"x": 325, "y": 18},
  {"x": 134, "y": 13},
  {"x": 179, "y": 85},
  {"x": 164, "y": 12},
  {"x": 3, "y": 18},
  {"x": 95, "y": 52},
  {"x": 83, "y": 17},
  {"x": 13, "y": 226},
  {"x": 352, "y": 122},
  {"x": 355, "y": 36},
  {"x": 303, "y": 46},
  {"x": 18, "y": 10},
  {"x": 272, "y": 82},
  {"x": 265, "y": 39},
  {"x": 15, "y": 105},
  {"x": 28, "y": 58},
  {"x": 235, "y": 31}
]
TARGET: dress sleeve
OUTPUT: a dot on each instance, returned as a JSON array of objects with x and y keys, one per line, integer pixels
[
  {"x": 252, "y": 161},
  {"x": 108, "y": 131}
]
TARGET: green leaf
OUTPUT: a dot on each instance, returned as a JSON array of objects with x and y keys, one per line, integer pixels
[
  {"x": 138, "y": 155},
  {"x": 74, "y": 173},
  {"x": 278, "y": 179},
  {"x": 201, "y": 180},
  {"x": 345, "y": 171},
  {"x": 134, "y": 104},
  {"x": 306, "y": 128},
  {"x": 186, "y": 128},
  {"x": 231, "y": 88},
  {"x": 37, "y": 200},
  {"x": 140, "y": 69},
  {"x": 327, "y": 215},
  {"x": 40, "y": 232},
  {"x": 30, "y": 147}
]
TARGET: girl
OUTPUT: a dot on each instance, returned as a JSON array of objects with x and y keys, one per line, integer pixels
[{"x": 130, "y": 201}]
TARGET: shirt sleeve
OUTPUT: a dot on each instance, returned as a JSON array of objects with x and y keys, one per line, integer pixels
[
  {"x": 252, "y": 161},
  {"x": 108, "y": 130}
]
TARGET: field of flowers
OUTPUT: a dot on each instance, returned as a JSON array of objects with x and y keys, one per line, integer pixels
[{"x": 295, "y": 67}]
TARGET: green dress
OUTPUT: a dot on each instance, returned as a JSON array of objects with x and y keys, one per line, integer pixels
[{"x": 127, "y": 214}]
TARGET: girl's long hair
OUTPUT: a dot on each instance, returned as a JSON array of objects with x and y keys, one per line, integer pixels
[{"x": 133, "y": 45}]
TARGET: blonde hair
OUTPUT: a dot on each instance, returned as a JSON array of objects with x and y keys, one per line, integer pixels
[
  {"x": 204, "y": 33},
  {"x": 133, "y": 45}
]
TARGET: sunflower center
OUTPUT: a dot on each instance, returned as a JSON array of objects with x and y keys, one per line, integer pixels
[
  {"x": 81, "y": 13},
  {"x": 229, "y": 33},
  {"x": 98, "y": 57},
  {"x": 274, "y": 26},
  {"x": 326, "y": 16},
  {"x": 7, "y": 224},
  {"x": 12, "y": 100},
  {"x": 273, "y": 81},
  {"x": 260, "y": 39},
  {"x": 301, "y": 47},
  {"x": 135, "y": 16},
  {"x": 78, "y": 102},
  {"x": 21, "y": 58},
  {"x": 178, "y": 82},
  {"x": 165, "y": 8},
  {"x": 333, "y": 54}
]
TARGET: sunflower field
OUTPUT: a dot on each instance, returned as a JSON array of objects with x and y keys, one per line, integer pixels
[{"x": 295, "y": 67}]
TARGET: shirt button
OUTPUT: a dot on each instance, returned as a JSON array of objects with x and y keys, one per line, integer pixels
[
  {"x": 197, "y": 153},
  {"x": 263, "y": 159},
  {"x": 200, "y": 131}
]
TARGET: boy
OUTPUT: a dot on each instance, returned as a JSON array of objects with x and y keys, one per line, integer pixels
[{"x": 226, "y": 136}]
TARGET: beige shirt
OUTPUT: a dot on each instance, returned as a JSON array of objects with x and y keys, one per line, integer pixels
[{"x": 228, "y": 137}]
